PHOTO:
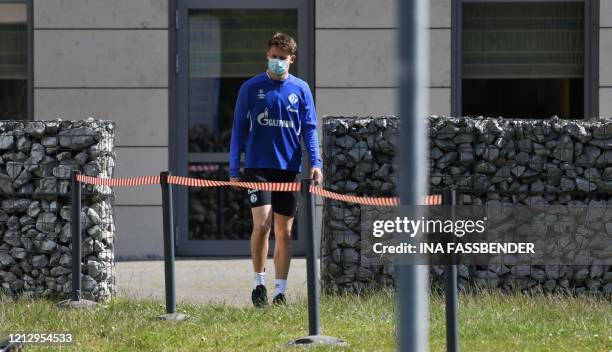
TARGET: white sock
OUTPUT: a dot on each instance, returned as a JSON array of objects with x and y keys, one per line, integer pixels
[
  {"x": 279, "y": 286},
  {"x": 260, "y": 279}
]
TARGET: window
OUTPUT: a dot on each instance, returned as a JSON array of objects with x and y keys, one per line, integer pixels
[
  {"x": 523, "y": 59},
  {"x": 14, "y": 68}
]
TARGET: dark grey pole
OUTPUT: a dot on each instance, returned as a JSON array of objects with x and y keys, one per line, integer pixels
[
  {"x": 168, "y": 225},
  {"x": 75, "y": 300},
  {"x": 413, "y": 151},
  {"x": 450, "y": 287},
  {"x": 312, "y": 272},
  {"x": 168, "y": 242},
  {"x": 306, "y": 228},
  {"x": 75, "y": 219}
]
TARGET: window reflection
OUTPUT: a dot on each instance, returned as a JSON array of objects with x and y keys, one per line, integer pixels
[
  {"x": 13, "y": 61},
  {"x": 226, "y": 47}
]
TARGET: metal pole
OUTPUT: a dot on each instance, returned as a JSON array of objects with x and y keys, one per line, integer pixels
[
  {"x": 306, "y": 228},
  {"x": 168, "y": 223},
  {"x": 312, "y": 272},
  {"x": 450, "y": 287},
  {"x": 168, "y": 242},
  {"x": 413, "y": 151},
  {"x": 75, "y": 300},
  {"x": 75, "y": 219}
]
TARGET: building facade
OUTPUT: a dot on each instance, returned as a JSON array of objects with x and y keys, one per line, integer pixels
[{"x": 168, "y": 72}]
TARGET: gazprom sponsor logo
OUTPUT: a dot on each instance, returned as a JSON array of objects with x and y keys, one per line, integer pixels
[{"x": 263, "y": 120}]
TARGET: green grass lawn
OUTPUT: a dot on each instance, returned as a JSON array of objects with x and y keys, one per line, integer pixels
[{"x": 488, "y": 322}]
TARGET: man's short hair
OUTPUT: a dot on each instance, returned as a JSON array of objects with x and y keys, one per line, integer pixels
[{"x": 284, "y": 42}]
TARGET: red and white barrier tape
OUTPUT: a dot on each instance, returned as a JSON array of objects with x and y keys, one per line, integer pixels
[
  {"x": 435, "y": 199},
  {"x": 262, "y": 186},
  {"x": 386, "y": 202},
  {"x": 125, "y": 181}
]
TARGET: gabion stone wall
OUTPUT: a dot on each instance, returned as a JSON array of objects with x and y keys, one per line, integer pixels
[
  {"x": 37, "y": 158},
  {"x": 488, "y": 160}
]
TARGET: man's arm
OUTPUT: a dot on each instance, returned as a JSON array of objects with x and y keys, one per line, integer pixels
[
  {"x": 239, "y": 132},
  {"x": 311, "y": 139}
]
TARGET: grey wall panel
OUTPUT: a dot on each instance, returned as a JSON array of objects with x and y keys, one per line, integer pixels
[
  {"x": 365, "y": 58},
  {"x": 374, "y": 101},
  {"x": 373, "y": 14},
  {"x": 141, "y": 115},
  {"x": 440, "y": 101},
  {"x": 605, "y": 57},
  {"x": 605, "y": 13},
  {"x": 356, "y": 58},
  {"x": 356, "y": 101},
  {"x": 139, "y": 232},
  {"x": 440, "y": 57},
  {"x": 139, "y": 161},
  {"x": 356, "y": 13},
  {"x": 100, "y": 58},
  {"x": 101, "y": 13},
  {"x": 605, "y": 102},
  {"x": 440, "y": 13}
]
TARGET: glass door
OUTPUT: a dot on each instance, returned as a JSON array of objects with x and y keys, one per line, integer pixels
[{"x": 221, "y": 45}]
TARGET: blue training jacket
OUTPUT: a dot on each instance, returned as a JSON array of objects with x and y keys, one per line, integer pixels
[{"x": 269, "y": 119}]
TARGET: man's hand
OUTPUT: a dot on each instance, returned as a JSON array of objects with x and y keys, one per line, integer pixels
[
  {"x": 235, "y": 179},
  {"x": 316, "y": 175}
]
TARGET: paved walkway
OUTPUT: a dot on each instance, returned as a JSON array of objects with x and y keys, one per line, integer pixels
[{"x": 205, "y": 280}]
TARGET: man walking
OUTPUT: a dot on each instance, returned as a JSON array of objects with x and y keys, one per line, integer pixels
[{"x": 274, "y": 112}]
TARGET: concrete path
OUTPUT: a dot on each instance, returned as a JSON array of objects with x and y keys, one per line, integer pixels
[{"x": 207, "y": 280}]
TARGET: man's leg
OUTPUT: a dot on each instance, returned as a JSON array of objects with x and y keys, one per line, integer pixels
[
  {"x": 282, "y": 247},
  {"x": 262, "y": 222},
  {"x": 284, "y": 207},
  {"x": 261, "y": 211},
  {"x": 262, "y": 218},
  {"x": 282, "y": 252}
]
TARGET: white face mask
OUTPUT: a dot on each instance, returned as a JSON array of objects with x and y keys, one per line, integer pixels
[{"x": 278, "y": 66}]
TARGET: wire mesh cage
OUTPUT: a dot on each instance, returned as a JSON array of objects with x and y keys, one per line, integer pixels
[
  {"x": 37, "y": 160},
  {"x": 488, "y": 161}
]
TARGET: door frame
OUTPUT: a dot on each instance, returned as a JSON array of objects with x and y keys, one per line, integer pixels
[{"x": 178, "y": 122}]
